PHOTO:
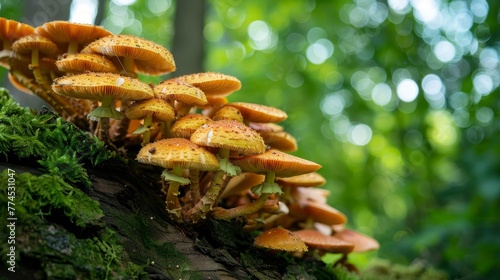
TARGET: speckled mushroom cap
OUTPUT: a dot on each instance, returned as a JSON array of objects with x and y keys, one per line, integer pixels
[
  {"x": 212, "y": 83},
  {"x": 283, "y": 164},
  {"x": 312, "y": 179},
  {"x": 181, "y": 92},
  {"x": 229, "y": 134},
  {"x": 362, "y": 243},
  {"x": 160, "y": 109},
  {"x": 315, "y": 239},
  {"x": 85, "y": 62},
  {"x": 149, "y": 57},
  {"x": 60, "y": 31},
  {"x": 259, "y": 113},
  {"x": 11, "y": 30},
  {"x": 227, "y": 113},
  {"x": 93, "y": 86},
  {"x": 186, "y": 125},
  {"x": 280, "y": 239},
  {"x": 181, "y": 152},
  {"x": 27, "y": 43}
]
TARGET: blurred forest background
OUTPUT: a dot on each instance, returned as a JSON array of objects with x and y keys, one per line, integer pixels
[{"x": 398, "y": 100}]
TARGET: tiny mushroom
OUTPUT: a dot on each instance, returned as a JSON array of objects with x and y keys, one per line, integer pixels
[
  {"x": 150, "y": 110},
  {"x": 227, "y": 136},
  {"x": 280, "y": 239},
  {"x": 272, "y": 163},
  {"x": 175, "y": 155}
]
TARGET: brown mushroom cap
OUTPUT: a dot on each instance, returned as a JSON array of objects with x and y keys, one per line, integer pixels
[
  {"x": 280, "y": 239},
  {"x": 149, "y": 57},
  {"x": 94, "y": 86},
  {"x": 362, "y": 243},
  {"x": 284, "y": 165},
  {"x": 212, "y": 83},
  {"x": 181, "y": 92},
  {"x": 242, "y": 183},
  {"x": 266, "y": 127},
  {"x": 27, "y": 43},
  {"x": 186, "y": 125},
  {"x": 171, "y": 152},
  {"x": 259, "y": 113},
  {"x": 312, "y": 179},
  {"x": 315, "y": 239},
  {"x": 229, "y": 134},
  {"x": 160, "y": 110},
  {"x": 85, "y": 62}
]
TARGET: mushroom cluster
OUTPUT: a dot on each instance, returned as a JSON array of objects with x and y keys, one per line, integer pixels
[{"x": 219, "y": 159}]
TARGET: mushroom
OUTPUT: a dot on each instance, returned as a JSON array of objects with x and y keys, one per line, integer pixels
[
  {"x": 212, "y": 84},
  {"x": 288, "y": 184},
  {"x": 228, "y": 113},
  {"x": 280, "y": 239},
  {"x": 362, "y": 243},
  {"x": 103, "y": 87},
  {"x": 259, "y": 113},
  {"x": 325, "y": 243},
  {"x": 74, "y": 35},
  {"x": 272, "y": 163},
  {"x": 175, "y": 155},
  {"x": 151, "y": 110},
  {"x": 85, "y": 62},
  {"x": 138, "y": 54},
  {"x": 226, "y": 136},
  {"x": 10, "y": 31},
  {"x": 186, "y": 125},
  {"x": 183, "y": 93}
]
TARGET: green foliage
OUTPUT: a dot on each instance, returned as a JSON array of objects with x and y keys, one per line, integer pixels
[
  {"x": 39, "y": 196},
  {"x": 61, "y": 147}
]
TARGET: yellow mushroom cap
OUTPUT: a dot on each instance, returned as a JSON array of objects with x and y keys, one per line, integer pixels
[
  {"x": 227, "y": 113},
  {"x": 283, "y": 164},
  {"x": 212, "y": 83},
  {"x": 149, "y": 57},
  {"x": 85, "y": 62},
  {"x": 259, "y": 113},
  {"x": 229, "y": 134},
  {"x": 181, "y": 152},
  {"x": 186, "y": 125},
  {"x": 27, "y": 43},
  {"x": 315, "y": 239},
  {"x": 60, "y": 31},
  {"x": 94, "y": 86},
  {"x": 280, "y": 239},
  {"x": 181, "y": 92},
  {"x": 160, "y": 109}
]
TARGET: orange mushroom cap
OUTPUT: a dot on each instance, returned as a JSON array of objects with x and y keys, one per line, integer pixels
[
  {"x": 171, "y": 152},
  {"x": 283, "y": 164},
  {"x": 312, "y": 179},
  {"x": 212, "y": 83},
  {"x": 11, "y": 30},
  {"x": 186, "y": 125},
  {"x": 181, "y": 92},
  {"x": 85, "y": 62},
  {"x": 280, "y": 239},
  {"x": 160, "y": 110},
  {"x": 259, "y": 113},
  {"x": 27, "y": 43},
  {"x": 362, "y": 243},
  {"x": 315, "y": 239}
]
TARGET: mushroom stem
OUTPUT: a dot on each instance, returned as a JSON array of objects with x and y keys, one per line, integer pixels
[
  {"x": 73, "y": 47},
  {"x": 173, "y": 204},
  {"x": 129, "y": 66},
  {"x": 253, "y": 207},
  {"x": 146, "y": 136},
  {"x": 206, "y": 203},
  {"x": 194, "y": 177}
]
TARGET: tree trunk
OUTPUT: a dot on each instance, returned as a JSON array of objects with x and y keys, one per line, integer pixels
[{"x": 188, "y": 42}]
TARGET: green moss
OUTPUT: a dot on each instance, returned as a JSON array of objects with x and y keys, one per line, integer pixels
[{"x": 60, "y": 147}]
